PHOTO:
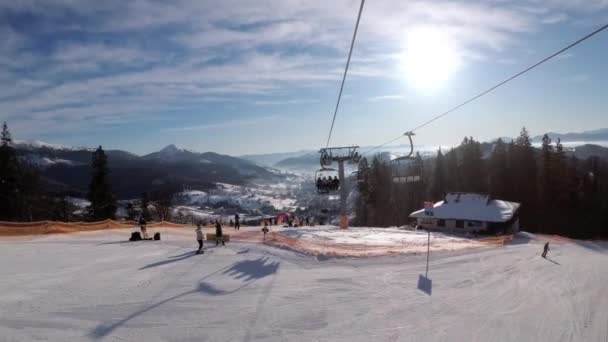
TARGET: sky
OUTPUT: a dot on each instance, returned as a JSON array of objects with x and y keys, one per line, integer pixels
[{"x": 243, "y": 77}]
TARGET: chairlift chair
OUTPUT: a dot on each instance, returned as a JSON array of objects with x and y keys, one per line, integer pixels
[
  {"x": 407, "y": 169},
  {"x": 330, "y": 175}
]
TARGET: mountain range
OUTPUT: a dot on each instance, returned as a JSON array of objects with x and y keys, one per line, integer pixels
[
  {"x": 582, "y": 144},
  {"x": 68, "y": 170},
  {"x": 584, "y": 137}
]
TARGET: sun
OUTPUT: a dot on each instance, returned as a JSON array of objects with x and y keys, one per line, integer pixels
[{"x": 429, "y": 58}]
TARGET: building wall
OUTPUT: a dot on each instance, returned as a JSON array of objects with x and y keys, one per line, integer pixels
[{"x": 450, "y": 225}]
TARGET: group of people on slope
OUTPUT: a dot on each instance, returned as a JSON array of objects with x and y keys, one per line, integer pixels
[
  {"x": 328, "y": 183},
  {"x": 219, "y": 236}
]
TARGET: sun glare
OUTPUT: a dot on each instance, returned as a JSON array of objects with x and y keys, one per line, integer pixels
[{"x": 429, "y": 58}]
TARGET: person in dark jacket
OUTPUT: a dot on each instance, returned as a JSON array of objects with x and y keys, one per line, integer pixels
[
  {"x": 546, "y": 249},
  {"x": 237, "y": 222},
  {"x": 335, "y": 183},
  {"x": 265, "y": 229},
  {"x": 218, "y": 233}
]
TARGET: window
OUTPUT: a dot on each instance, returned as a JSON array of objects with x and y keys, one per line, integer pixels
[
  {"x": 428, "y": 221},
  {"x": 441, "y": 223},
  {"x": 459, "y": 223},
  {"x": 477, "y": 224}
]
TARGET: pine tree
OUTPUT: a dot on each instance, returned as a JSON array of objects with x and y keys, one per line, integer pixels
[
  {"x": 9, "y": 178},
  {"x": 453, "y": 171},
  {"x": 7, "y": 140},
  {"x": 547, "y": 183},
  {"x": 363, "y": 189},
  {"x": 439, "y": 184},
  {"x": 380, "y": 213},
  {"x": 511, "y": 176},
  {"x": 131, "y": 213},
  {"x": 525, "y": 178},
  {"x": 498, "y": 170},
  {"x": 472, "y": 174},
  {"x": 145, "y": 203},
  {"x": 103, "y": 203}
]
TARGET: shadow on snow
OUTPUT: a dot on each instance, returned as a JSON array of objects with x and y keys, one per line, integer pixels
[{"x": 247, "y": 271}]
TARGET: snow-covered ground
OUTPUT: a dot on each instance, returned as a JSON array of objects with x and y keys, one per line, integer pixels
[
  {"x": 93, "y": 286},
  {"x": 366, "y": 235}
]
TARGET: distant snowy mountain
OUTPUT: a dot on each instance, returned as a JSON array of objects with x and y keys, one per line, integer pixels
[
  {"x": 172, "y": 153},
  {"x": 68, "y": 169},
  {"x": 35, "y": 144},
  {"x": 271, "y": 159},
  {"x": 582, "y": 137}
]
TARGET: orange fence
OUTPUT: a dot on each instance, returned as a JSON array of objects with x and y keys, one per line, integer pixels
[
  {"x": 54, "y": 227},
  {"x": 497, "y": 240}
]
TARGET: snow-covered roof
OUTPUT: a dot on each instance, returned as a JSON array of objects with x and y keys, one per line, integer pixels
[{"x": 471, "y": 206}]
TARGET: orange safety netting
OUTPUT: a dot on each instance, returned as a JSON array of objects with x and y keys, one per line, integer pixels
[{"x": 53, "y": 227}]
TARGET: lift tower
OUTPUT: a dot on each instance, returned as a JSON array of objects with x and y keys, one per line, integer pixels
[{"x": 341, "y": 155}]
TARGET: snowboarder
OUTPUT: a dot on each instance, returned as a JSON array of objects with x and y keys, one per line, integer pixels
[
  {"x": 237, "y": 224},
  {"x": 218, "y": 233},
  {"x": 265, "y": 229},
  {"x": 546, "y": 249},
  {"x": 199, "y": 238}
]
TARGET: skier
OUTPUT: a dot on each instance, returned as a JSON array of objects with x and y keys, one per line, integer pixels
[
  {"x": 199, "y": 238},
  {"x": 546, "y": 249},
  {"x": 265, "y": 229},
  {"x": 237, "y": 224},
  {"x": 218, "y": 233}
]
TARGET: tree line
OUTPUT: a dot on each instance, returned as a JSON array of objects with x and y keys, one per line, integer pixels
[
  {"x": 559, "y": 194},
  {"x": 24, "y": 196}
]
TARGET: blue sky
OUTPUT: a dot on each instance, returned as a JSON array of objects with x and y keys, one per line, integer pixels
[{"x": 262, "y": 76}]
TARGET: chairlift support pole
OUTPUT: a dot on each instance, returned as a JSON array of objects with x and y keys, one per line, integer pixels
[
  {"x": 343, "y": 194},
  {"x": 341, "y": 155}
]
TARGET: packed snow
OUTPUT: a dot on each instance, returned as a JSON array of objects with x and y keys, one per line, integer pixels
[
  {"x": 366, "y": 235},
  {"x": 96, "y": 286}
]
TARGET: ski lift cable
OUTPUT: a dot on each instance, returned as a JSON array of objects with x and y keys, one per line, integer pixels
[
  {"x": 494, "y": 87},
  {"x": 352, "y": 44}
]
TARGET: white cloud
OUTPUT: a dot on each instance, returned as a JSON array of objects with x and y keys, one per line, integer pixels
[
  {"x": 179, "y": 53},
  {"x": 555, "y": 18},
  {"x": 386, "y": 97},
  {"x": 283, "y": 102},
  {"x": 579, "y": 78},
  {"x": 225, "y": 124}
]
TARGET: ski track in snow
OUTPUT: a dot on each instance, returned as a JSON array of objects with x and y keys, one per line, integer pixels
[{"x": 91, "y": 286}]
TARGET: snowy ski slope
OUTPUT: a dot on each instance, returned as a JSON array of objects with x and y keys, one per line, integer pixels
[{"x": 92, "y": 286}]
